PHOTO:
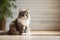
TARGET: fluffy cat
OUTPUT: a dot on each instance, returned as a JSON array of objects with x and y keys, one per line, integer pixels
[{"x": 21, "y": 24}]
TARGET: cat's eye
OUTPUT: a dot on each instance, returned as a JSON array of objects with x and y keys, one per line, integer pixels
[{"x": 26, "y": 14}]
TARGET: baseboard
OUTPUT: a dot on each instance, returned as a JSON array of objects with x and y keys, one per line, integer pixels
[{"x": 45, "y": 33}]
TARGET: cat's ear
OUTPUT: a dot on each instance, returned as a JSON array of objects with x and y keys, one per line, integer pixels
[
  {"x": 27, "y": 9},
  {"x": 19, "y": 10}
]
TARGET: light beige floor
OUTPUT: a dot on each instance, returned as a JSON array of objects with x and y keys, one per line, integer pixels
[
  {"x": 35, "y": 35},
  {"x": 31, "y": 38}
]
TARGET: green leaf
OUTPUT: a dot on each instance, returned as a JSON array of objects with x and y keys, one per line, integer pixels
[
  {"x": 5, "y": 6},
  {"x": 12, "y": 0},
  {"x": 14, "y": 5}
]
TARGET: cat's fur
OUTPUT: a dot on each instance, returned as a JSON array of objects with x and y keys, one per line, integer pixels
[{"x": 21, "y": 24}]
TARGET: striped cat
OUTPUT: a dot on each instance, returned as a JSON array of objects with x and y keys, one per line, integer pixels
[{"x": 20, "y": 25}]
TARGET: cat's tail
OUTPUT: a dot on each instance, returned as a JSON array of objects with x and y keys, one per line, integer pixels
[{"x": 3, "y": 33}]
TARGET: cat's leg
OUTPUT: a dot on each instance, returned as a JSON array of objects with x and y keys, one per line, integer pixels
[
  {"x": 25, "y": 29},
  {"x": 28, "y": 33},
  {"x": 12, "y": 30}
]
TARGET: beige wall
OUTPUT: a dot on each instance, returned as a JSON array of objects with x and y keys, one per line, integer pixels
[{"x": 45, "y": 14}]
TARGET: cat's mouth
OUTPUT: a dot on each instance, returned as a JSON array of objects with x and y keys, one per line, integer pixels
[{"x": 24, "y": 18}]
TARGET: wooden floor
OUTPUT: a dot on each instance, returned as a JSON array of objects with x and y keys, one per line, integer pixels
[
  {"x": 43, "y": 33},
  {"x": 35, "y": 35},
  {"x": 29, "y": 38}
]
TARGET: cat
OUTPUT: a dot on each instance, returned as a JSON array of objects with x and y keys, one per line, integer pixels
[{"x": 21, "y": 24}]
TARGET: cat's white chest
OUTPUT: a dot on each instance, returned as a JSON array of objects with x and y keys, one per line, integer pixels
[{"x": 25, "y": 22}]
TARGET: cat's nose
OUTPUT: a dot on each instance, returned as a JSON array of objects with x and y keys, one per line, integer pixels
[{"x": 23, "y": 15}]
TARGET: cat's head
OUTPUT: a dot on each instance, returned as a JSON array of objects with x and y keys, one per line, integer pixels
[{"x": 23, "y": 14}]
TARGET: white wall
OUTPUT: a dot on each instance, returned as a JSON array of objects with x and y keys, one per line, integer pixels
[{"x": 45, "y": 14}]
